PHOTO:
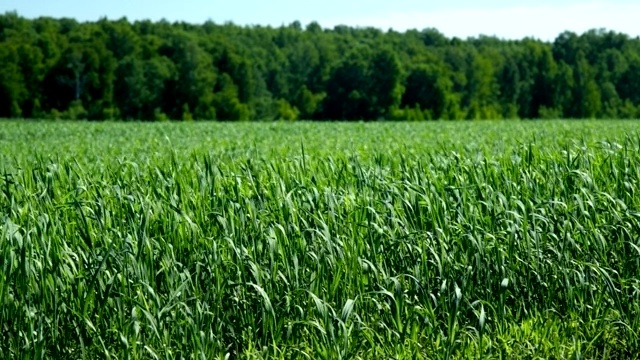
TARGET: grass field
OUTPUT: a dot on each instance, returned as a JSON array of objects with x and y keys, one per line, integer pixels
[{"x": 320, "y": 240}]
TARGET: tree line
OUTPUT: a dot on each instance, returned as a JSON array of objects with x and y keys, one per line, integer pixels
[{"x": 144, "y": 70}]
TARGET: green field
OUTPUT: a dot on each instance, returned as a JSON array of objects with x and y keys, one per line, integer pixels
[{"x": 320, "y": 240}]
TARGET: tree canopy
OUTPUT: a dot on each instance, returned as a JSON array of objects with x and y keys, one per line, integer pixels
[{"x": 143, "y": 70}]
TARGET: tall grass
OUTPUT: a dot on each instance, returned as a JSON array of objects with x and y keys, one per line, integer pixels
[{"x": 320, "y": 241}]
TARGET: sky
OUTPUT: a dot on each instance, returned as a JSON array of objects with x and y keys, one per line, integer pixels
[{"x": 509, "y": 19}]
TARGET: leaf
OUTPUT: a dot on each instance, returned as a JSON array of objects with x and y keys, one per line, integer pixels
[
  {"x": 458, "y": 294},
  {"x": 265, "y": 298},
  {"x": 320, "y": 306},
  {"x": 482, "y": 317},
  {"x": 347, "y": 309}
]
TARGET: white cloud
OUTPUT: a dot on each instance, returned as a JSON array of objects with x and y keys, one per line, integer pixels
[{"x": 545, "y": 22}]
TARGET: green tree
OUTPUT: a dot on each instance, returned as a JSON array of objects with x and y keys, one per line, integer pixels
[
  {"x": 347, "y": 89},
  {"x": 482, "y": 90},
  {"x": 157, "y": 70},
  {"x": 385, "y": 88},
  {"x": 429, "y": 89},
  {"x": 227, "y": 104},
  {"x": 12, "y": 89},
  {"x": 587, "y": 100}
]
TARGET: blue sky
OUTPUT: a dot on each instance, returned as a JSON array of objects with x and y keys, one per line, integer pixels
[{"x": 543, "y": 19}]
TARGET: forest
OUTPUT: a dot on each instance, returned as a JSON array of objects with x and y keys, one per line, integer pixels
[{"x": 144, "y": 70}]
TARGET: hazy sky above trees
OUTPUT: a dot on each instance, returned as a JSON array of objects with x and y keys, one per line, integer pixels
[{"x": 543, "y": 19}]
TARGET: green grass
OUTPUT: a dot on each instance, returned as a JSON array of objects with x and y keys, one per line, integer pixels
[{"x": 320, "y": 241}]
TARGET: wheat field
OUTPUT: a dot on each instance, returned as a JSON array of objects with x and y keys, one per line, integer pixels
[{"x": 320, "y": 240}]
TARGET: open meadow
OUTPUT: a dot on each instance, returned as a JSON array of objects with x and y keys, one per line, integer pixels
[{"x": 430, "y": 240}]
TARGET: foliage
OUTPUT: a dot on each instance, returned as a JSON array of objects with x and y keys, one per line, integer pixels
[{"x": 141, "y": 70}]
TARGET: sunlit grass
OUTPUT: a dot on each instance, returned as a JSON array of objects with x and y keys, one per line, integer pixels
[{"x": 320, "y": 241}]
